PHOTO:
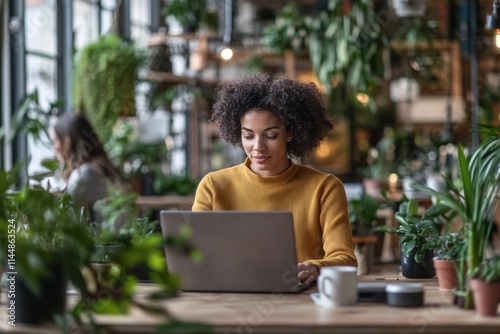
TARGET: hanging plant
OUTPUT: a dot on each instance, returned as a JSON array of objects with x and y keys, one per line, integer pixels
[
  {"x": 346, "y": 47},
  {"x": 346, "y": 44},
  {"x": 191, "y": 14},
  {"x": 106, "y": 72},
  {"x": 289, "y": 33}
]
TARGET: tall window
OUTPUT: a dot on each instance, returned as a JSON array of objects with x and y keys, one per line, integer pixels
[
  {"x": 140, "y": 21},
  {"x": 90, "y": 19},
  {"x": 40, "y": 26}
]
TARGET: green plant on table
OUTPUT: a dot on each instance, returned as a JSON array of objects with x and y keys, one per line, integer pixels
[
  {"x": 125, "y": 241},
  {"x": 474, "y": 198},
  {"x": 51, "y": 232},
  {"x": 450, "y": 246},
  {"x": 417, "y": 232},
  {"x": 488, "y": 270},
  {"x": 51, "y": 242}
]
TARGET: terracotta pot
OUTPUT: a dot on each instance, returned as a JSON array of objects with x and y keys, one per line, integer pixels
[
  {"x": 486, "y": 297},
  {"x": 446, "y": 274}
]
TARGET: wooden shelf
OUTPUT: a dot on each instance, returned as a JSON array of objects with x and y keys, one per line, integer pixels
[
  {"x": 167, "y": 77},
  {"x": 163, "y": 38}
]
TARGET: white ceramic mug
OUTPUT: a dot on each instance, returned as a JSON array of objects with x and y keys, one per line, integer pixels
[{"x": 338, "y": 285}]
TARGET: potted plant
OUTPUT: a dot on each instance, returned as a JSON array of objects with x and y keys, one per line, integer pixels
[
  {"x": 51, "y": 242},
  {"x": 106, "y": 74},
  {"x": 450, "y": 249},
  {"x": 363, "y": 214},
  {"x": 485, "y": 284},
  {"x": 417, "y": 234},
  {"x": 110, "y": 276},
  {"x": 191, "y": 14},
  {"x": 473, "y": 197},
  {"x": 54, "y": 243},
  {"x": 45, "y": 230}
]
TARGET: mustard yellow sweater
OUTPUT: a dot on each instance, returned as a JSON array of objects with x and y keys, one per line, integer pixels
[{"x": 317, "y": 201}]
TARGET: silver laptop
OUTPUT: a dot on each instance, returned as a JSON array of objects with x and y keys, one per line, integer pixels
[{"x": 243, "y": 251}]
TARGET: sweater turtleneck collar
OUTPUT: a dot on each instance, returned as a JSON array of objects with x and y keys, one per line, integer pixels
[{"x": 279, "y": 179}]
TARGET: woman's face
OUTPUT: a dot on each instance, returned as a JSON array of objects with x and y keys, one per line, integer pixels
[
  {"x": 58, "y": 146},
  {"x": 264, "y": 138}
]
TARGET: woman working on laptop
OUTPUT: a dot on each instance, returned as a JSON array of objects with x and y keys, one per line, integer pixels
[
  {"x": 275, "y": 119},
  {"x": 88, "y": 173}
]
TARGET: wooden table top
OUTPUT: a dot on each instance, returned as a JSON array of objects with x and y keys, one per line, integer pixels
[
  {"x": 169, "y": 202},
  {"x": 296, "y": 313}
]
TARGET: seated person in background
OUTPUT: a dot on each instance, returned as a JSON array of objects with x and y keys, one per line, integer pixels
[
  {"x": 87, "y": 170},
  {"x": 273, "y": 119}
]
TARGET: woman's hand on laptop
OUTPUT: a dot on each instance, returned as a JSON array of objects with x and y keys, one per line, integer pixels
[{"x": 308, "y": 273}]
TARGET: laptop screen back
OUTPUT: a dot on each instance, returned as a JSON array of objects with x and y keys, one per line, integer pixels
[{"x": 242, "y": 251}]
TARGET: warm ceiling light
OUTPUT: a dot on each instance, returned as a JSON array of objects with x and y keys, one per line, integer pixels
[
  {"x": 226, "y": 54},
  {"x": 496, "y": 38},
  {"x": 362, "y": 98}
]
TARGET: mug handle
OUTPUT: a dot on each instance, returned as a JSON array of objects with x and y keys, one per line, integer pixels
[{"x": 323, "y": 281}]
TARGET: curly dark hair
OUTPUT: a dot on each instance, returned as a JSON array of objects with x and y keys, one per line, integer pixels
[{"x": 298, "y": 105}]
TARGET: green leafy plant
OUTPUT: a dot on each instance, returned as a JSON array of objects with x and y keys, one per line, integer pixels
[
  {"x": 132, "y": 157},
  {"x": 136, "y": 241},
  {"x": 106, "y": 73},
  {"x": 363, "y": 211},
  {"x": 450, "y": 246},
  {"x": 474, "y": 198},
  {"x": 191, "y": 14},
  {"x": 417, "y": 232},
  {"x": 31, "y": 118},
  {"x": 345, "y": 43},
  {"x": 289, "y": 33},
  {"x": 346, "y": 46},
  {"x": 488, "y": 270},
  {"x": 176, "y": 184},
  {"x": 49, "y": 231}
]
